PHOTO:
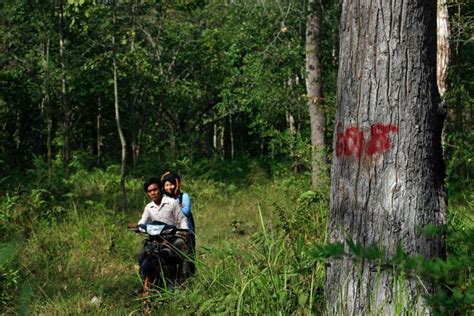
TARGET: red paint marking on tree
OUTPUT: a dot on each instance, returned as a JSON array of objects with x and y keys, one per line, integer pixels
[
  {"x": 379, "y": 141},
  {"x": 351, "y": 142}
]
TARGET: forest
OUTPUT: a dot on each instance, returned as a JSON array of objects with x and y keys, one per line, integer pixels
[{"x": 327, "y": 148}]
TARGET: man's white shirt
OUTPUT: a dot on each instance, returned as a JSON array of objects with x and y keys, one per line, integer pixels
[{"x": 167, "y": 212}]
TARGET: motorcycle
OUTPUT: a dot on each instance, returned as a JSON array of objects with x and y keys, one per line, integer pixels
[{"x": 162, "y": 264}]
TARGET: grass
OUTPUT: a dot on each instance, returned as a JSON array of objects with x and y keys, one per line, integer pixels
[
  {"x": 83, "y": 261},
  {"x": 253, "y": 249}
]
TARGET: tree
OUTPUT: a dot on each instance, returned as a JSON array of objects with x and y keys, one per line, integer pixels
[
  {"x": 387, "y": 170},
  {"x": 314, "y": 91},
  {"x": 117, "y": 114},
  {"x": 443, "y": 51},
  {"x": 65, "y": 106}
]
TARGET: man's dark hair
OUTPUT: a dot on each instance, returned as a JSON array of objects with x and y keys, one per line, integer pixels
[{"x": 150, "y": 181}]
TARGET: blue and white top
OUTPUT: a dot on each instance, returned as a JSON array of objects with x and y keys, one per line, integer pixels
[{"x": 185, "y": 203}]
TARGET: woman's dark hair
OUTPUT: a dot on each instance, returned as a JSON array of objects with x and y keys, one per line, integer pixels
[{"x": 150, "y": 181}]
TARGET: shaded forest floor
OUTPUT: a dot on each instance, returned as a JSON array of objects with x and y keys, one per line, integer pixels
[{"x": 66, "y": 251}]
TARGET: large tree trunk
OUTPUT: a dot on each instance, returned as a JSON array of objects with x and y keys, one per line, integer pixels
[
  {"x": 314, "y": 91},
  {"x": 387, "y": 171}
]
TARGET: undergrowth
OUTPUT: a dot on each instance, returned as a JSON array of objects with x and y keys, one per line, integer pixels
[{"x": 261, "y": 247}]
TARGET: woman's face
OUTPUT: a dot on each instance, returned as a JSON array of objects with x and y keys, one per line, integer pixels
[{"x": 169, "y": 187}]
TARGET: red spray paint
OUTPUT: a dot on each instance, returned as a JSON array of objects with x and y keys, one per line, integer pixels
[{"x": 351, "y": 142}]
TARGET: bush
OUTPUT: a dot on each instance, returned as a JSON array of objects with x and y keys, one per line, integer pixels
[{"x": 9, "y": 276}]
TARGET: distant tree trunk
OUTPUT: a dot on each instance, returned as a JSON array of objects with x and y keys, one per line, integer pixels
[
  {"x": 387, "y": 174},
  {"x": 99, "y": 136},
  {"x": 231, "y": 137},
  {"x": 457, "y": 113},
  {"x": 314, "y": 91},
  {"x": 64, "y": 102},
  {"x": 138, "y": 121},
  {"x": 46, "y": 107},
  {"x": 117, "y": 119},
  {"x": 218, "y": 139},
  {"x": 137, "y": 114},
  {"x": 222, "y": 140},
  {"x": 172, "y": 136},
  {"x": 443, "y": 52},
  {"x": 49, "y": 141},
  {"x": 294, "y": 157},
  {"x": 214, "y": 136}
]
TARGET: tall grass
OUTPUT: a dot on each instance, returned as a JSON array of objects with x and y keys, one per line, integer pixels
[
  {"x": 82, "y": 259},
  {"x": 68, "y": 252}
]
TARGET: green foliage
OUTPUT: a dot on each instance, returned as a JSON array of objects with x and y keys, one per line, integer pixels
[
  {"x": 9, "y": 275},
  {"x": 261, "y": 246},
  {"x": 458, "y": 137},
  {"x": 451, "y": 277},
  {"x": 188, "y": 74}
]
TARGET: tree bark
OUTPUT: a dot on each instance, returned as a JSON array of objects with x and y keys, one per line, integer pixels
[
  {"x": 314, "y": 91},
  {"x": 123, "y": 143},
  {"x": 387, "y": 171},
  {"x": 443, "y": 51}
]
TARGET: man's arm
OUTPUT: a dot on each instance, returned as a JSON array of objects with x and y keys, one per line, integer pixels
[{"x": 144, "y": 217}]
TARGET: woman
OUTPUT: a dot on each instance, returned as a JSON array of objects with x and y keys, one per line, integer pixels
[{"x": 171, "y": 187}]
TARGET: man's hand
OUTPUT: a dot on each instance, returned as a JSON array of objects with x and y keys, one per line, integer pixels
[
  {"x": 132, "y": 226},
  {"x": 183, "y": 234}
]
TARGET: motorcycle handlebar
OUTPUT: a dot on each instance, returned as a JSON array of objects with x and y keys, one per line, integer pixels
[{"x": 136, "y": 228}]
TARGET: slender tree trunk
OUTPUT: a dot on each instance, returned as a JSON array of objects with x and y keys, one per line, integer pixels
[
  {"x": 64, "y": 102},
  {"x": 214, "y": 136},
  {"x": 172, "y": 135},
  {"x": 218, "y": 139},
  {"x": 46, "y": 107},
  {"x": 387, "y": 171},
  {"x": 291, "y": 124},
  {"x": 231, "y": 137},
  {"x": 98, "y": 127},
  {"x": 136, "y": 114},
  {"x": 123, "y": 143},
  {"x": 458, "y": 106},
  {"x": 49, "y": 142},
  {"x": 136, "y": 146},
  {"x": 222, "y": 141},
  {"x": 443, "y": 51},
  {"x": 314, "y": 91}
]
